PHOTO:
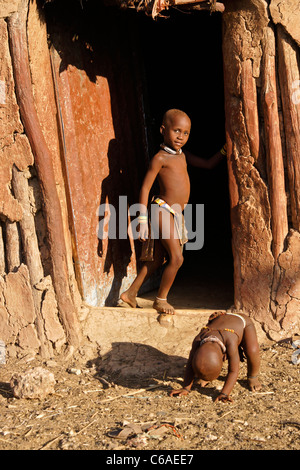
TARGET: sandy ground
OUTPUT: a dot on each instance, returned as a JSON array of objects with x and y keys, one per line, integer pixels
[
  {"x": 90, "y": 405},
  {"x": 94, "y": 401}
]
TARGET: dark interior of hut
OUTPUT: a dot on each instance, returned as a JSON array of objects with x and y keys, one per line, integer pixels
[{"x": 180, "y": 66}]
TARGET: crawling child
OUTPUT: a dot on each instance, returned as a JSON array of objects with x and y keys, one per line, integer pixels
[{"x": 226, "y": 336}]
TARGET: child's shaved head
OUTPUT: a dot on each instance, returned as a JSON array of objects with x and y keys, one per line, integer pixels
[
  {"x": 172, "y": 113},
  {"x": 208, "y": 361}
]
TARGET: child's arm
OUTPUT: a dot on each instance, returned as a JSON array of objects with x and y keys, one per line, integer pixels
[
  {"x": 154, "y": 168},
  {"x": 209, "y": 164},
  {"x": 187, "y": 382},
  {"x": 233, "y": 372},
  {"x": 188, "y": 374}
]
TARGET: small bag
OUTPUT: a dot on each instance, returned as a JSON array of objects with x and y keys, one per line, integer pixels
[{"x": 148, "y": 248}]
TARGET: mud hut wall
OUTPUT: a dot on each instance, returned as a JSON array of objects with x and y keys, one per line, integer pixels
[
  {"x": 261, "y": 67},
  {"x": 17, "y": 312},
  {"x": 98, "y": 87},
  {"x": 25, "y": 255},
  {"x": 29, "y": 316},
  {"x": 43, "y": 91},
  {"x": 266, "y": 282}
]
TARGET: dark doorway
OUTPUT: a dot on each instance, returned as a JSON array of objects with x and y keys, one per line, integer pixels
[{"x": 183, "y": 65}]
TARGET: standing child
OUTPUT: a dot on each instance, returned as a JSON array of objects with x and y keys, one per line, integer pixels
[
  {"x": 169, "y": 166},
  {"x": 227, "y": 335}
]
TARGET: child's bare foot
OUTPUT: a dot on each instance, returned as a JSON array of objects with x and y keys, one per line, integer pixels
[
  {"x": 254, "y": 384},
  {"x": 129, "y": 299},
  {"x": 162, "y": 306},
  {"x": 202, "y": 383}
]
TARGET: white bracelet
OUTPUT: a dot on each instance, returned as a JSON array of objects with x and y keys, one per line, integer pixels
[{"x": 143, "y": 219}]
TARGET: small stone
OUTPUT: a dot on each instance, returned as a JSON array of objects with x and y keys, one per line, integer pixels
[
  {"x": 165, "y": 320},
  {"x": 211, "y": 437},
  {"x": 258, "y": 438},
  {"x": 210, "y": 424},
  {"x": 51, "y": 363},
  {"x": 35, "y": 383},
  {"x": 74, "y": 371}
]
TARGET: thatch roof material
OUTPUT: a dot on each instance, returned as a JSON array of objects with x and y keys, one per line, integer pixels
[{"x": 155, "y": 7}]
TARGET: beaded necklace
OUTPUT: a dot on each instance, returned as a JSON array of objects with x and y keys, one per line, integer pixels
[{"x": 169, "y": 150}]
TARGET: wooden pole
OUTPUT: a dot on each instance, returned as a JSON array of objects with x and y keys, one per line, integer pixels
[
  {"x": 27, "y": 227},
  {"x": 12, "y": 246},
  {"x": 31, "y": 254},
  {"x": 44, "y": 166},
  {"x": 289, "y": 76},
  {"x": 275, "y": 165},
  {"x": 249, "y": 97}
]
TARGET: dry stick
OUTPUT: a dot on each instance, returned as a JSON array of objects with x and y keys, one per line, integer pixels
[
  {"x": 131, "y": 393},
  {"x": 227, "y": 413},
  {"x": 45, "y": 170},
  {"x": 291, "y": 423},
  {"x": 45, "y": 446},
  {"x": 48, "y": 444},
  {"x": 88, "y": 425}
]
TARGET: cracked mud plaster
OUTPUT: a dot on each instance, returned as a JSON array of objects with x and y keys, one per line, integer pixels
[
  {"x": 8, "y": 7},
  {"x": 245, "y": 25},
  {"x": 286, "y": 303},
  {"x": 14, "y": 146},
  {"x": 53, "y": 330},
  {"x": 245, "y": 22},
  {"x": 18, "y": 314},
  {"x": 19, "y": 154},
  {"x": 287, "y": 13},
  {"x": 16, "y": 304}
]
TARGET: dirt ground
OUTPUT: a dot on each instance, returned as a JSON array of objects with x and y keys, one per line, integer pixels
[{"x": 91, "y": 404}]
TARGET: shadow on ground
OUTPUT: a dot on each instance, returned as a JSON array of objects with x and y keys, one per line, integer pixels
[{"x": 127, "y": 361}]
